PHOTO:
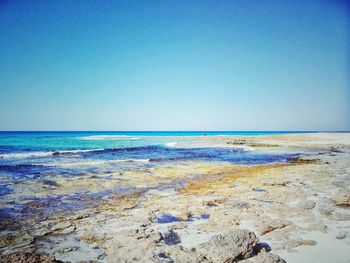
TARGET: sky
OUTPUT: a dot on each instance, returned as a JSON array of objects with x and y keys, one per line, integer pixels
[{"x": 174, "y": 65}]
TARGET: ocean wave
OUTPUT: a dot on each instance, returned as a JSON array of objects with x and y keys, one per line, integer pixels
[
  {"x": 26, "y": 155},
  {"x": 108, "y": 137},
  {"x": 170, "y": 144},
  {"x": 19, "y": 167},
  {"x": 98, "y": 162},
  {"x": 78, "y": 152},
  {"x": 131, "y": 160},
  {"x": 45, "y": 154},
  {"x": 68, "y": 152}
]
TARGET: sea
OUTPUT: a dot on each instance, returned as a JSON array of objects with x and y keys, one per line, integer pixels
[{"x": 30, "y": 162}]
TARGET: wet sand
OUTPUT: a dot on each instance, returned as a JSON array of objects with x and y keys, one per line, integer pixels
[{"x": 298, "y": 210}]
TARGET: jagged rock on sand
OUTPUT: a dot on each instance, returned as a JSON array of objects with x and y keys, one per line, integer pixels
[
  {"x": 230, "y": 247},
  {"x": 273, "y": 225}
]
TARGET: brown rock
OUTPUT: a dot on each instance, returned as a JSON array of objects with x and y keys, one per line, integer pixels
[
  {"x": 299, "y": 242},
  {"x": 342, "y": 198},
  {"x": 185, "y": 216},
  {"x": 214, "y": 202},
  {"x": 271, "y": 226},
  {"x": 341, "y": 235},
  {"x": 231, "y": 247},
  {"x": 303, "y": 160},
  {"x": 21, "y": 257},
  {"x": 268, "y": 258},
  {"x": 20, "y": 239}
]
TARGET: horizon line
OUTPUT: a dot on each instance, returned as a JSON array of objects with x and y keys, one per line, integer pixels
[{"x": 174, "y": 130}]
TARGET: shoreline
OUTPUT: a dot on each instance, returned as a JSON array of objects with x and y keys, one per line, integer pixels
[{"x": 290, "y": 207}]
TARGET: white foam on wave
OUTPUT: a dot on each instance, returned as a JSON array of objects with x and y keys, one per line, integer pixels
[
  {"x": 79, "y": 151},
  {"x": 78, "y": 163},
  {"x": 25, "y": 155},
  {"x": 108, "y": 137},
  {"x": 131, "y": 160},
  {"x": 97, "y": 162},
  {"x": 43, "y": 154},
  {"x": 171, "y": 144}
]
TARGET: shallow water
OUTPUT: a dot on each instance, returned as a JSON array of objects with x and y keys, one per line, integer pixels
[{"x": 34, "y": 165}]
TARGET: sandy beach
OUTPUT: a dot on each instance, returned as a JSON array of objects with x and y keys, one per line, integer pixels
[{"x": 295, "y": 211}]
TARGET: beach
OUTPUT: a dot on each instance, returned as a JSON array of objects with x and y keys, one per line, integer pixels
[{"x": 245, "y": 198}]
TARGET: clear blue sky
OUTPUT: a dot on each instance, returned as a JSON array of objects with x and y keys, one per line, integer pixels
[{"x": 174, "y": 65}]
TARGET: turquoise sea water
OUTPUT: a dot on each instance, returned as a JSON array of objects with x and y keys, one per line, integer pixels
[
  {"x": 41, "y": 141},
  {"x": 38, "y": 159},
  {"x": 32, "y": 155}
]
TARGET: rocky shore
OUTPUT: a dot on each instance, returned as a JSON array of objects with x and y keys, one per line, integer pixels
[{"x": 297, "y": 211}]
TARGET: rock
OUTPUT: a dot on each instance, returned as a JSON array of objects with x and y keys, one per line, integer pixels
[
  {"x": 318, "y": 227},
  {"x": 303, "y": 160},
  {"x": 326, "y": 210},
  {"x": 299, "y": 242},
  {"x": 176, "y": 254},
  {"x": 68, "y": 249},
  {"x": 241, "y": 204},
  {"x": 149, "y": 233},
  {"x": 61, "y": 225},
  {"x": 124, "y": 248},
  {"x": 342, "y": 198},
  {"x": 41, "y": 231},
  {"x": 67, "y": 230},
  {"x": 273, "y": 225},
  {"x": 155, "y": 236},
  {"x": 185, "y": 216},
  {"x": 231, "y": 247},
  {"x": 262, "y": 247},
  {"x": 308, "y": 205},
  {"x": 268, "y": 258},
  {"x": 21, "y": 257},
  {"x": 342, "y": 235},
  {"x": 171, "y": 238},
  {"x": 335, "y": 150},
  {"x": 308, "y": 242},
  {"x": 277, "y": 183},
  {"x": 90, "y": 239},
  {"x": 179, "y": 225},
  {"x": 161, "y": 256},
  {"x": 214, "y": 202},
  {"x": 15, "y": 240},
  {"x": 340, "y": 216}
]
